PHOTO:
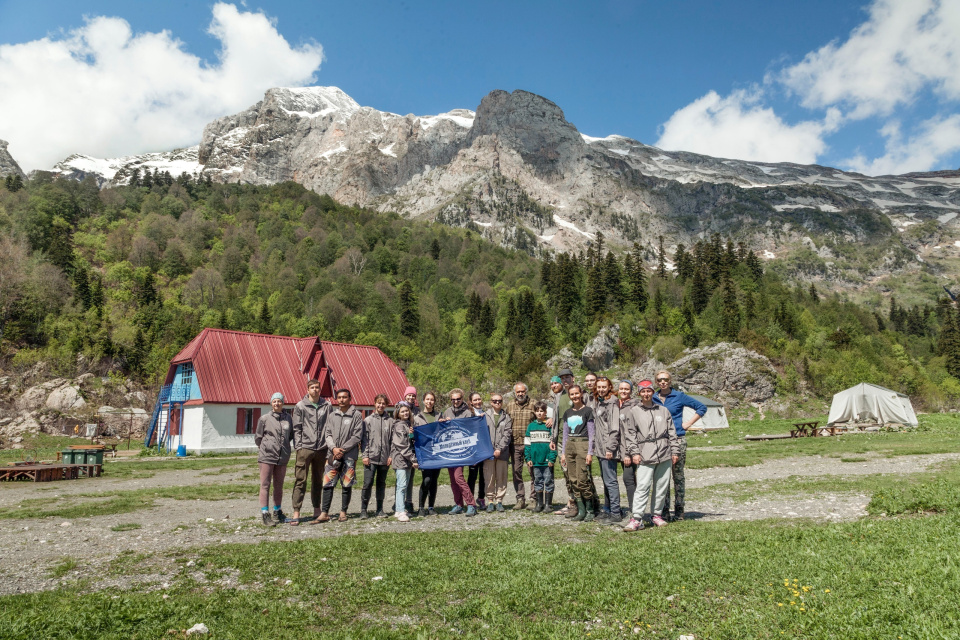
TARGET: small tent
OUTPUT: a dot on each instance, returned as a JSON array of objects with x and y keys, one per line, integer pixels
[
  {"x": 870, "y": 402},
  {"x": 715, "y": 418}
]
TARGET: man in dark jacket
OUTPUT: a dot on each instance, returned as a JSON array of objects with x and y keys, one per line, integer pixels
[
  {"x": 343, "y": 432},
  {"x": 309, "y": 417}
]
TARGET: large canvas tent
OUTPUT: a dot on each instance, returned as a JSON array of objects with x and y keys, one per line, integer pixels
[
  {"x": 870, "y": 402},
  {"x": 715, "y": 418}
]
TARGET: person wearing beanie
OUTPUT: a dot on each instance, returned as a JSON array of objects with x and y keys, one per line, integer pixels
[
  {"x": 274, "y": 438},
  {"x": 342, "y": 434}
]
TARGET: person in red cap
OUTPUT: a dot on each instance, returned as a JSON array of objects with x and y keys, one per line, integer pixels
[{"x": 651, "y": 442}]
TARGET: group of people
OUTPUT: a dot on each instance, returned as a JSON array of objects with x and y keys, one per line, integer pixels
[{"x": 635, "y": 431}]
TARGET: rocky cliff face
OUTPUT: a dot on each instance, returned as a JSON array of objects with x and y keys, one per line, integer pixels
[
  {"x": 8, "y": 166},
  {"x": 519, "y": 172}
]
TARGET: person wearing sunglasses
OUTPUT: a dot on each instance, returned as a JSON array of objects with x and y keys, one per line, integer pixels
[
  {"x": 462, "y": 496},
  {"x": 675, "y": 401},
  {"x": 495, "y": 469}
]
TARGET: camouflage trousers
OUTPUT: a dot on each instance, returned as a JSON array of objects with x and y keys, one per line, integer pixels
[{"x": 679, "y": 482}]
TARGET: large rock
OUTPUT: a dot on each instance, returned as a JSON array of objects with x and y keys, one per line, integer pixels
[
  {"x": 726, "y": 371},
  {"x": 24, "y": 424},
  {"x": 65, "y": 399},
  {"x": 564, "y": 359},
  {"x": 646, "y": 371},
  {"x": 601, "y": 351},
  {"x": 8, "y": 166},
  {"x": 118, "y": 421}
]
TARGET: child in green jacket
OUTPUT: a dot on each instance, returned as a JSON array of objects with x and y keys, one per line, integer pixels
[{"x": 540, "y": 457}]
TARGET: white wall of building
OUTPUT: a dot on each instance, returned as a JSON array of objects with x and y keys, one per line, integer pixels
[{"x": 212, "y": 428}]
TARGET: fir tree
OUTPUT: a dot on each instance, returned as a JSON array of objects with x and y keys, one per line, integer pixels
[
  {"x": 612, "y": 280},
  {"x": 435, "y": 249},
  {"x": 487, "y": 323},
  {"x": 147, "y": 180},
  {"x": 513, "y": 319},
  {"x": 474, "y": 309},
  {"x": 749, "y": 311},
  {"x": 729, "y": 311},
  {"x": 81, "y": 287},
  {"x": 135, "y": 178},
  {"x": 683, "y": 264},
  {"x": 596, "y": 296},
  {"x": 263, "y": 319},
  {"x": 538, "y": 336},
  {"x": 699, "y": 291},
  {"x": 661, "y": 259},
  {"x": 814, "y": 295},
  {"x": 409, "y": 311},
  {"x": 754, "y": 267}
]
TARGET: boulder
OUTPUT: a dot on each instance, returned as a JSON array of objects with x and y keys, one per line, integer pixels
[
  {"x": 118, "y": 421},
  {"x": 23, "y": 424},
  {"x": 600, "y": 352},
  {"x": 726, "y": 371},
  {"x": 32, "y": 399},
  {"x": 647, "y": 370},
  {"x": 85, "y": 379},
  {"x": 138, "y": 398},
  {"x": 564, "y": 359},
  {"x": 66, "y": 399}
]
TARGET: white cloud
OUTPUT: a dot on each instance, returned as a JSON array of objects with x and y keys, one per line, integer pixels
[
  {"x": 904, "y": 47},
  {"x": 739, "y": 126},
  {"x": 104, "y": 91},
  {"x": 936, "y": 139}
]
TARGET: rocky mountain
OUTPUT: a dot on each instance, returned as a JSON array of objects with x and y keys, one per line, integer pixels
[
  {"x": 518, "y": 171},
  {"x": 8, "y": 166}
]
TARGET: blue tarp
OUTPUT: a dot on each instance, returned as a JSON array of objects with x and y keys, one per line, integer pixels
[{"x": 454, "y": 443}]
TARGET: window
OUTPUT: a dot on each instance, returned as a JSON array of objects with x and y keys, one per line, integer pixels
[
  {"x": 186, "y": 374},
  {"x": 247, "y": 420}
]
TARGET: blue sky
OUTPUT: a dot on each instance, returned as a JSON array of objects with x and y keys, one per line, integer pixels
[{"x": 749, "y": 79}]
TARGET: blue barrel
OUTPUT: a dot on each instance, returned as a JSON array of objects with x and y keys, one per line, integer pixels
[{"x": 182, "y": 451}]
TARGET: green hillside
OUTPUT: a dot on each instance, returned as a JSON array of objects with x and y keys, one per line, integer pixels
[{"x": 125, "y": 276}]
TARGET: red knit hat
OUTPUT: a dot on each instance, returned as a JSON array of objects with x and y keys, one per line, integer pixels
[{"x": 646, "y": 383}]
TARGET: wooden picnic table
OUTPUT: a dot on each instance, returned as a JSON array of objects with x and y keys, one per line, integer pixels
[
  {"x": 48, "y": 472},
  {"x": 804, "y": 429}
]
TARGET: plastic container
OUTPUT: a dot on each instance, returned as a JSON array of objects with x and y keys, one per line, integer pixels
[
  {"x": 94, "y": 456},
  {"x": 182, "y": 451},
  {"x": 66, "y": 456}
]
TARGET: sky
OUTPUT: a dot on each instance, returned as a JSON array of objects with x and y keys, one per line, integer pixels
[{"x": 870, "y": 86}]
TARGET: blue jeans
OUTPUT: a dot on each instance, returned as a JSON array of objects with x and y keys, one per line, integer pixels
[
  {"x": 403, "y": 479},
  {"x": 611, "y": 486},
  {"x": 543, "y": 479}
]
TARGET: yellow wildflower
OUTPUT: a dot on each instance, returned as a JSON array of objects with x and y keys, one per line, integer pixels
[
  {"x": 779, "y": 604},
  {"x": 826, "y": 590}
]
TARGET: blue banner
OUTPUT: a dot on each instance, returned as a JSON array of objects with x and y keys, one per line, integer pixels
[{"x": 454, "y": 443}]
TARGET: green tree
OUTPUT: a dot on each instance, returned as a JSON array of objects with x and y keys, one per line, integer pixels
[
  {"x": 409, "y": 311},
  {"x": 729, "y": 311},
  {"x": 661, "y": 259},
  {"x": 538, "y": 336}
]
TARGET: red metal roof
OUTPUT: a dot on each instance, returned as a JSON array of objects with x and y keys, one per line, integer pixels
[{"x": 237, "y": 367}]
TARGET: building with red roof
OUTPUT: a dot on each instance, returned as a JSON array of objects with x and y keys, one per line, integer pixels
[{"x": 221, "y": 382}]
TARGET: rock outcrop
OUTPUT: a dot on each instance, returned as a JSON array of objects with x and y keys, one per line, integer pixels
[
  {"x": 601, "y": 351},
  {"x": 726, "y": 371},
  {"x": 8, "y": 166}
]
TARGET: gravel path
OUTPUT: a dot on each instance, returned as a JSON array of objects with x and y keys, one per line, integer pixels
[{"x": 29, "y": 548}]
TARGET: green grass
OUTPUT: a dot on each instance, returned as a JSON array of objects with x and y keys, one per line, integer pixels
[
  {"x": 868, "y": 579},
  {"x": 146, "y": 468},
  {"x": 45, "y": 447},
  {"x": 937, "y": 433},
  {"x": 104, "y": 503},
  {"x": 938, "y": 495},
  {"x": 128, "y": 526},
  {"x": 63, "y": 567}
]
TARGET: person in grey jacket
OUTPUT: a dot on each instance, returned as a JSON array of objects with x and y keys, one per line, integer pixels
[
  {"x": 309, "y": 419},
  {"x": 403, "y": 458},
  {"x": 375, "y": 442},
  {"x": 273, "y": 437},
  {"x": 625, "y": 401},
  {"x": 606, "y": 448},
  {"x": 500, "y": 426},
  {"x": 651, "y": 442},
  {"x": 342, "y": 434}
]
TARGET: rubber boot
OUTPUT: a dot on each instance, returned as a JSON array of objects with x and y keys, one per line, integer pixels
[
  {"x": 548, "y": 501},
  {"x": 588, "y": 517},
  {"x": 581, "y": 510},
  {"x": 539, "y": 497}
]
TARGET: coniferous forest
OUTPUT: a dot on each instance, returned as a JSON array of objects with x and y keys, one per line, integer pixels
[{"x": 122, "y": 278}]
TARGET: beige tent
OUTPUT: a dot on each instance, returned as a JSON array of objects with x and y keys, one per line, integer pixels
[
  {"x": 715, "y": 418},
  {"x": 871, "y": 403}
]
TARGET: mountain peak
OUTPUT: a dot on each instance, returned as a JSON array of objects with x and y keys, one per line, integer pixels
[
  {"x": 311, "y": 102},
  {"x": 8, "y": 166},
  {"x": 530, "y": 124}
]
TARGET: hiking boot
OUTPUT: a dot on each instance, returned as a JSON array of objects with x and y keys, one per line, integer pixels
[
  {"x": 521, "y": 503},
  {"x": 481, "y": 503},
  {"x": 581, "y": 511},
  {"x": 659, "y": 521},
  {"x": 381, "y": 514},
  {"x": 267, "y": 520},
  {"x": 422, "y": 513},
  {"x": 500, "y": 508},
  {"x": 363, "y": 514},
  {"x": 491, "y": 508},
  {"x": 457, "y": 510},
  {"x": 471, "y": 511},
  {"x": 279, "y": 516},
  {"x": 634, "y": 525},
  {"x": 432, "y": 512}
]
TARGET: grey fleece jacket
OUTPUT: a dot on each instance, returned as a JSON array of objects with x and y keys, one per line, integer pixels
[
  {"x": 650, "y": 433},
  {"x": 401, "y": 446},
  {"x": 500, "y": 434},
  {"x": 274, "y": 436},
  {"x": 606, "y": 424},
  {"x": 308, "y": 424},
  {"x": 377, "y": 432},
  {"x": 344, "y": 431}
]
